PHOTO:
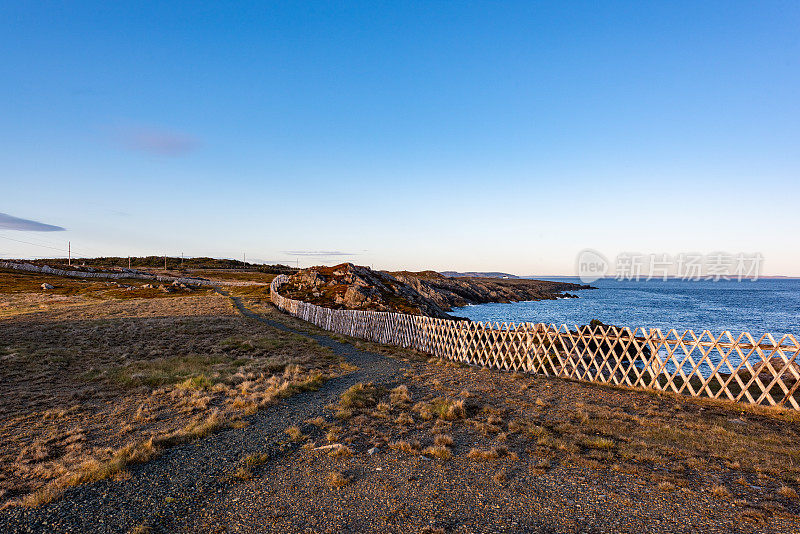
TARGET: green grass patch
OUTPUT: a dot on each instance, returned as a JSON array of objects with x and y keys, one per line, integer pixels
[
  {"x": 359, "y": 396},
  {"x": 190, "y": 371},
  {"x": 196, "y": 382}
]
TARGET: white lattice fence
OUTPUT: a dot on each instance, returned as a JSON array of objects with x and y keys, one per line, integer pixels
[{"x": 763, "y": 371}]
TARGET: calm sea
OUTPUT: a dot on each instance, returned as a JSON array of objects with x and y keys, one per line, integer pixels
[{"x": 766, "y": 305}]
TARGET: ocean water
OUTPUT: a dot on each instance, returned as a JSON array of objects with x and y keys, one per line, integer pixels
[{"x": 763, "y": 306}]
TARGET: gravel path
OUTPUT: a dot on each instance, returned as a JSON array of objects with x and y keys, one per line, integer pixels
[{"x": 171, "y": 486}]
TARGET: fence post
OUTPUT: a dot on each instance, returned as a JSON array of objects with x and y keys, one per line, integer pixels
[{"x": 528, "y": 348}]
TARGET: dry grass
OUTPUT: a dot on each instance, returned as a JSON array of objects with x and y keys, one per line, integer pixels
[
  {"x": 337, "y": 479},
  {"x": 334, "y": 434},
  {"x": 400, "y": 395},
  {"x": 341, "y": 452},
  {"x": 295, "y": 434},
  {"x": 84, "y": 379},
  {"x": 405, "y": 419},
  {"x": 254, "y": 460},
  {"x": 599, "y": 442},
  {"x": 443, "y": 440},
  {"x": 438, "y": 451},
  {"x": 319, "y": 422},
  {"x": 666, "y": 486},
  {"x": 93, "y": 470},
  {"x": 358, "y": 396},
  {"x": 21, "y": 292},
  {"x": 483, "y": 454},
  {"x": 343, "y": 414},
  {"x": 448, "y": 409},
  {"x": 671, "y": 442},
  {"x": 788, "y": 493},
  {"x": 244, "y": 471},
  {"x": 720, "y": 491},
  {"x": 405, "y": 446}
]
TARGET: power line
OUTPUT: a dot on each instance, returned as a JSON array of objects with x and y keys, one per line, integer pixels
[
  {"x": 29, "y": 243},
  {"x": 38, "y": 241},
  {"x": 42, "y": 246},
  {"x": 43, "y": 241}
]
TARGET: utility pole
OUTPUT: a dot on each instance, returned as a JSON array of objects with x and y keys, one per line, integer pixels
[
  {"x": 69, "y": 253},
  {"x": 181, "y": 260},
  {"x": 244, "y": 260},
  {"x": 129, "y": 262},
  {"x": 165, "y": 262}
]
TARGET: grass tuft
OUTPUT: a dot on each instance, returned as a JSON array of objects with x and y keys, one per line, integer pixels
[
  {"x": 358, "y": 396},
  {"x": 483, "y": 454},
  {"x": 405, "y": 446},
  {"x": 199, "y": 382},
  {"x": 666, "y": 486},
  {"x": 437, "y": 451},
  {"x": 337, "y": 479},
  {"x": 721, "y": 491},
  {"x": 341, "y": 452},
  {"x": 443, "y": 440},
  {"x": 599, "y": 442},
  {"x": 400, "y": 395},
  {"x": 294, "y": 433}
]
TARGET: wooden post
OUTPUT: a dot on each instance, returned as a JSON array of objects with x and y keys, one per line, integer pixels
[{"x": 69, "y": 253}]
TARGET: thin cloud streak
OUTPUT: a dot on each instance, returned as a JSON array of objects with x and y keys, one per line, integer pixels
[
  {"x": 156, "y": 141},
  {"x": 9, "y": 222},
  {"x": 319, "y": 253}
]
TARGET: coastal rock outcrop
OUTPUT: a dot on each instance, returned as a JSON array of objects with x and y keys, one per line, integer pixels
[
  {"x": 359, "y": 288},
  {"x": 449, "y": 293},
  {"x": 422, "y": 293}
]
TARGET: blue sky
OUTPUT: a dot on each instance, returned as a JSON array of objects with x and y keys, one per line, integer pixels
[{"x": 471, "y": 136}]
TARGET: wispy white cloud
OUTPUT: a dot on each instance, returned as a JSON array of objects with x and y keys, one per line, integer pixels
[
  {"x": 262, "y": 261},
  {"x": 319, "y": 253},
  {"x": 155, "y": 140},
  {"x": 9, "y": 222}
]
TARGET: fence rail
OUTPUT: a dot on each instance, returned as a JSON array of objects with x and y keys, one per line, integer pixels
[{"x": 763, "y": 370}]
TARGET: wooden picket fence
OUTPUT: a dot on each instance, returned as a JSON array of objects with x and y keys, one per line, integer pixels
[{"x": 764, "y": 371}]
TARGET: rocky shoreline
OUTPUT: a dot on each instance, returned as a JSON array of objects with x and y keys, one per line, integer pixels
[{"x": 418, "y": 293}]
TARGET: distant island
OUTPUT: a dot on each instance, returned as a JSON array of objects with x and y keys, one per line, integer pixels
[{"x": 456, "y": 274}]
